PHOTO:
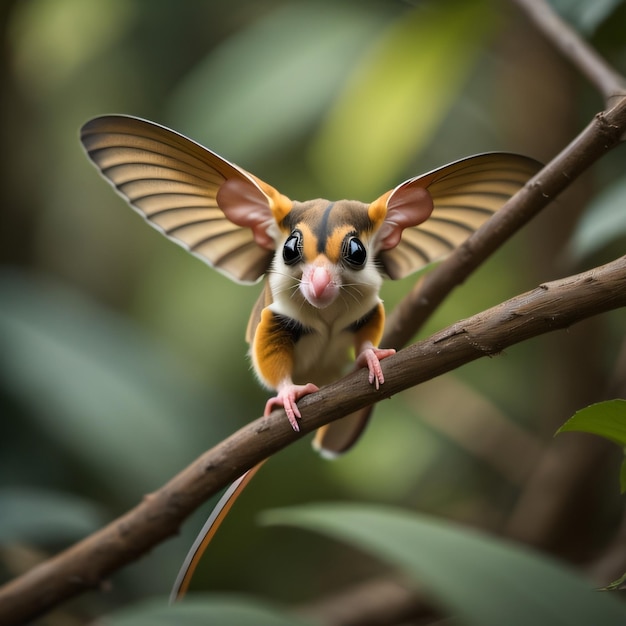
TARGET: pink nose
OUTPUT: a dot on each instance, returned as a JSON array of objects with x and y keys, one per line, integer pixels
[
  {"x": 319, "y": 286},
  {"x": 320, "y": 280}
]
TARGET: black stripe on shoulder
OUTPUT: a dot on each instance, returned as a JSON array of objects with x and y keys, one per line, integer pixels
[{"x": 292, "y": 327}]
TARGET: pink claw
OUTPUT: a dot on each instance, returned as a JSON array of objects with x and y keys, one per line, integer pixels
[
  {"x": 371, "y": 358},
  {"x": 286, "y": 398}
]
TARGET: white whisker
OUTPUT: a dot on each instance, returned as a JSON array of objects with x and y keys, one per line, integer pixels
[{"x": 355, "y": 296}]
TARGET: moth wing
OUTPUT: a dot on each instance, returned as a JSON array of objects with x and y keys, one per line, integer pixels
[
  {"x": 465, "y": 194},
  {"x": 173, "y": 182}
]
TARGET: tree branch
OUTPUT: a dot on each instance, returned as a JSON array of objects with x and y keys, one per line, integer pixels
[
  {"x": 551, "y": 306},
  {"x": 600, "y": 136},
  {"x": 607, "y": 81}
]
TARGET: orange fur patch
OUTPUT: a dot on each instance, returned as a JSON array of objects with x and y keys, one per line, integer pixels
[
  {"x": 280, "y": 205},
  {"x": 335, "y": 241},
  {"x": 373, "y": 330},
  {"x": 377, "y": 211},
  {"x": 272, "y": 350}
]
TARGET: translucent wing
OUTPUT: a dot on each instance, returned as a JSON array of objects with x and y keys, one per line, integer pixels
[
  {"x": 173, "y": 181},
  {"x": 465, "y": 194}
]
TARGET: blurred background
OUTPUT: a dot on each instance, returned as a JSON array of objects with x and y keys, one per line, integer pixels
[{"x": 122, "y": 357}]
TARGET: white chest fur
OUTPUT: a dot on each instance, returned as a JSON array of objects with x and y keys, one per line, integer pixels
[{"x": 324, "y": 350}]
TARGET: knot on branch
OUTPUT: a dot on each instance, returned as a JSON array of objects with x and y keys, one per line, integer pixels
[
  {"x": 606, "y": 128},
  {"x": 483, "y": 347}
]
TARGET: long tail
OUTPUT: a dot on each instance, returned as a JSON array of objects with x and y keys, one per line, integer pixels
[
  {"x": 338, "y": 437},
  {"x": 211, "y": 526}
]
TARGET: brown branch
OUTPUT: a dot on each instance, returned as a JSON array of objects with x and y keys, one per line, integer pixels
[
  {"x": 603, "y": 76},
  {"x": 417, "y": 306},
  {"x": 551, "y": 306},
  {"x": 600, "y": 136}
]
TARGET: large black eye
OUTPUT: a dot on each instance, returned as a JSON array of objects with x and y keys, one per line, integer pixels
[
  {"x": 292, "y": 250},
  {"x": 353, "y": 252}
]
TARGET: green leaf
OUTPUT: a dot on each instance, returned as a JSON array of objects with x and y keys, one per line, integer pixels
[
  {"x": 603, "y": 222},
  {"x": 607, "y": 419},
  {"x": 399, "y": 95},
  {"x": 201, "y": 610},
  {"x": 480, "y": 580}
]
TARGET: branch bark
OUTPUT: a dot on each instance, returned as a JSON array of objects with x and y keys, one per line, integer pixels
[{"x": 549, "y": 307}]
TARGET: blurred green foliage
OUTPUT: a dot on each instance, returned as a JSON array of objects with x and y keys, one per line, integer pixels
[
  {"x": 477, "y": 578},
  {"x": 122, "y": 357},
  {"x": 222, "y": 609}
]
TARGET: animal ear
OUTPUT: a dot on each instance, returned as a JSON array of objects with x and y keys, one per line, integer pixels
[
  {"x": 244, "y": 205},
  {"x": 429, "y": 216},
  {"x": 174, "y": 182},
  {"x": 409, "y": 204}
]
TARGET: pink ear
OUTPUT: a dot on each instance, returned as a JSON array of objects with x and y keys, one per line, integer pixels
[
  {"x": 244, "y": 204},
  {"x": 408, "y": 205}
]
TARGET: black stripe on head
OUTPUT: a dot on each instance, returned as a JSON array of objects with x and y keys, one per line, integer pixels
[{"x": 322, "y": 229}]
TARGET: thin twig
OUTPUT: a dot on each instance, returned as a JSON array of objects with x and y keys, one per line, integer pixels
[{"x": 602, "y": 75}]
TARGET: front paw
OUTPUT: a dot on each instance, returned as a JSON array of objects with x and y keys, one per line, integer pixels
[
  {"x": 371, "y": 358},
  {"x": 286, "y": 398}
]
